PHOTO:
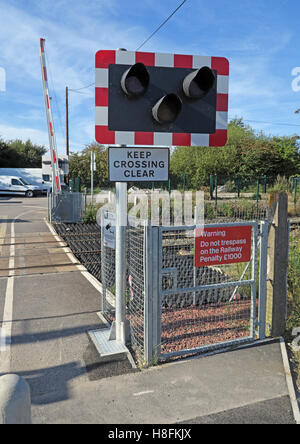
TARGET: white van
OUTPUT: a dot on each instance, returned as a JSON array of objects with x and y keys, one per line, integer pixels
[{"x": 13, "y": 185}]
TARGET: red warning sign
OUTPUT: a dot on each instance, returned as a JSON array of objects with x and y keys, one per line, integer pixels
[{"x": 222, "y": 245}]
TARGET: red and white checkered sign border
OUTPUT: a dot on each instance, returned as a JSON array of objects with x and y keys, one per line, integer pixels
[{"x": 104, "y": 136}]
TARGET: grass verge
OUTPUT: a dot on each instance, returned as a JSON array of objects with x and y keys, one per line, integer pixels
[{"x": 293, "y": 321}]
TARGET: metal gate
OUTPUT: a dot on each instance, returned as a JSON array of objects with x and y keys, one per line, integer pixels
[
  {"x": 65, "y": 207},
  {"x": 189, "y": 309}
]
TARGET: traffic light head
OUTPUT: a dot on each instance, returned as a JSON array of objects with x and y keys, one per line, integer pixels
[
  {"x": 161, "y": 99},
  {"x": 135, "y": 80},
  {"x": 167, "y": 109},
  {"x": 198, "y": 83}
]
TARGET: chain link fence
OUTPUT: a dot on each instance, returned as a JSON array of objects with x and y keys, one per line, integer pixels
[
  {"x": 134, "y": 285},
  {"x": 235, "y": 211},
  {"x": 294, "y": 266},
  {"x": 135, "y": 293},
  {"x": 216, "y": 313}
]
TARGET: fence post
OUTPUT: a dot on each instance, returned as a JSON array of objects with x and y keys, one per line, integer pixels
[
  {"x": 148, "y": 310},
  {"x": 216, "y": 190},
  {"x": 51, "y": 206},
  {"x": 152, "y": 300},
  {"x": 277, "y": 264},
  {"x": 211, "y": 186},
  {"x": 194, "y": 268},
  {"x": 257, "y": 190},
  {"x": 85, "y": 193},
  {"x": 264, "y": 228},
  {"x": 265, "y": 184},
  {"x": 254, "y": 279},
  {"x": 238, "y": 185},
  {"x": 103, "y": 280}
]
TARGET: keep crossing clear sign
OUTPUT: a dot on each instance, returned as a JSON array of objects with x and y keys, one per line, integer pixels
[{"x": 138, "y": 164}]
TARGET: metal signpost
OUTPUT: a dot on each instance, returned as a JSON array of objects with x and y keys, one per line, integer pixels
[{"x": 93, "y": 167}]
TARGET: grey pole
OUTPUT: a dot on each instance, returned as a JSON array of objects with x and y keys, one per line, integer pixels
[
  {"x": 263, "y": 279},
  {"x": 194, "y": 268},
  {"x": 92, "y": 174},
  {"x": 121, "y": 224}
]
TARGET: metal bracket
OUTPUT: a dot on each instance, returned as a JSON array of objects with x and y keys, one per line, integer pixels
[{"x": 173, "y": 272}]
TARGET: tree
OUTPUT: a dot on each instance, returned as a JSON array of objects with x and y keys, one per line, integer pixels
[
  {"x": 6, "y": 155},
  {"x": 247, "y": 156},
  {"x": 288, "y": 149},
  {"x": 18, "y": 154},
  {"x": 80, "y": 165}
]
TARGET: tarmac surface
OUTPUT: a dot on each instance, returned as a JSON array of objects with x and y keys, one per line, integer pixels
[
  {"x": 45, "y": 315},
  {"x": 244, "y": 386}
]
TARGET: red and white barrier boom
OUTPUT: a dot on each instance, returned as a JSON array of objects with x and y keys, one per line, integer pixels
[{"x": 56, "y": 185}]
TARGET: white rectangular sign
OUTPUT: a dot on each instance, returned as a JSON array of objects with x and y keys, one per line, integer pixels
[
  {"x": 109, "y": 229},
  {"x": 138, "y": 164},
  {"x": 93, "y": 161}
]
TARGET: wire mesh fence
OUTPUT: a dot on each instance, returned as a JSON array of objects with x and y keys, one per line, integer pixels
[
  {"x": 135, "y": 287},
  {"x": 217, "y": 312},
  {"x": 65, "y": 207},
  {"x": 208, "y": 323},
  {"x": 294, "y": 266},
  {"x": 236, "y": 211},
  {"x": 135, "y": 295},
  {"x": 108, "y": 280},
  {"x": 223, "y": 310}
]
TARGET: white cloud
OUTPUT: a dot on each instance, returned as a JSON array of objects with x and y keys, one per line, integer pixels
[
  {"x": 36, "y": 136},
  {"x": 24, "y": 133}
]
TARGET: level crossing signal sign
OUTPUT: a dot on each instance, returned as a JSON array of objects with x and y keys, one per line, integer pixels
[{"x": 160, "y": 99}]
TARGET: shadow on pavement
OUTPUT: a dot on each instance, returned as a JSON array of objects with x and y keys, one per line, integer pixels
[{"x": 50, "y": 384}]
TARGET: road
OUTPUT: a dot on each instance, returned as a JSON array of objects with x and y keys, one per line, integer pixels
[{"x": 46, "y": 305}]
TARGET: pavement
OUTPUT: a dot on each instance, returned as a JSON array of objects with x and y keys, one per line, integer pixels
[
  {"x": 45, "y": 314},
  {"x": 244, "y": 386}
]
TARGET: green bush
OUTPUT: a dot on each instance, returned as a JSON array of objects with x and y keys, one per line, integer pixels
[
  {"x": 90, "y": 215},
  {"x": 293, "y": 320},
  {"x": 294, "y": 268},
  {"x": 281, "y": 184}
]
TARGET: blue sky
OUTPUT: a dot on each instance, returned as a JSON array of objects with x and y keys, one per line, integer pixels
[{"x": 259, "y": 37}]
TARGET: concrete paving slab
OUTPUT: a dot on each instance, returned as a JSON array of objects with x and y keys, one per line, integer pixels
[{"x": 51, "y": 316}]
